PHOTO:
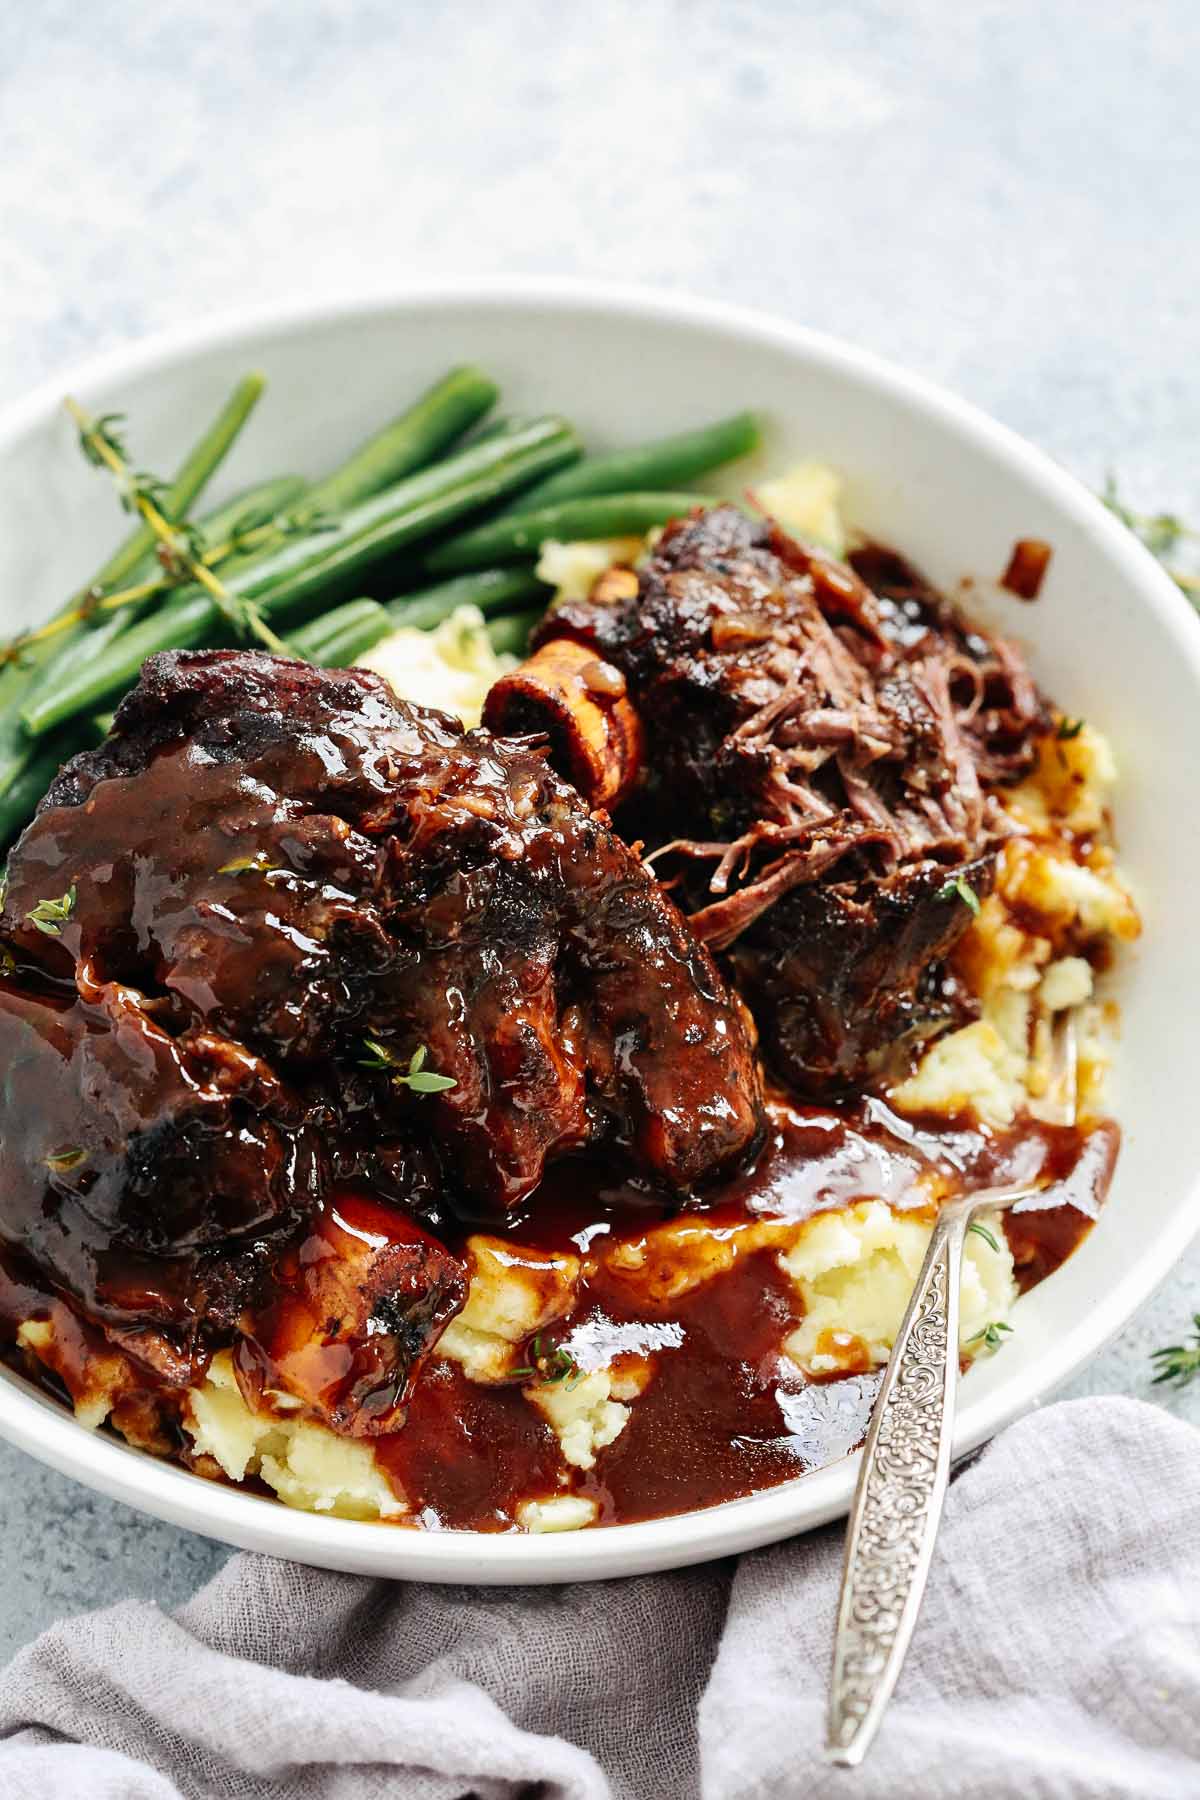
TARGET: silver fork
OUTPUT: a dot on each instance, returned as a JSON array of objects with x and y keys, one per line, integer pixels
[{"x": 901, "y": 1486}]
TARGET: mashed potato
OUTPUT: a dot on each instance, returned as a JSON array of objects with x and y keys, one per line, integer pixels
[
  {"x": 806, "y": 502},
  {"x": 853, "y": 1267},
  {"x": 855, "y": 1270},
  {"x": 562, "y": 1512},
  {"x": 308, "y": 1466},
  {"x": 451, "y": 667},
  {"x": 574, "y": 569},
  {"x": 514, "y": 1293},
  {"x": 1059, "y": 900},
  {"x": 582, "y": 1414}
]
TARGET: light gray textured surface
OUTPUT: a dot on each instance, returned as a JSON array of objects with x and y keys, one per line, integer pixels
[{"x": 1002, "y": 196}]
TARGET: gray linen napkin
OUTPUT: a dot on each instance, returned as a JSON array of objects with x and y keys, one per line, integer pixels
[{"x": 1058, "y": 1656}]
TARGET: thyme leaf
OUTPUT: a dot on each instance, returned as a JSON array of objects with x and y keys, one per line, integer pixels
[
  {"x": 981, "y": 1230},
  {"x": 416, "y": 1076},
  {"x": 549, "y": 1364},
  {"x": 1179, "y": 1362},
  {"x": 426, "y": 1082},
  {"x": 992, "y": 1335},
  {"x": 959, "y": 887},
  {"x": 1162, "y": 533},
  {"x": 177, "y": 541},
  {"x": 49, "y": 916}
]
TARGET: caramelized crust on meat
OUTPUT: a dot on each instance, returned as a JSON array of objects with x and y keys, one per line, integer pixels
[
  {"x": 280, "y": 885},
  {"x": 816, "y": 773}
]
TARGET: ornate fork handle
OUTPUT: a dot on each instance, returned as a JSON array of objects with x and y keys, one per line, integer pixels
[{"x": 898, "y": 1502}]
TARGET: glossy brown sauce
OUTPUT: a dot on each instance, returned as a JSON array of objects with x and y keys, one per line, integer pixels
[
  {"x": 469, "y": 1454},
  {"x": 709, "y": 1426},
  {"x": 724, "y": 1413}
]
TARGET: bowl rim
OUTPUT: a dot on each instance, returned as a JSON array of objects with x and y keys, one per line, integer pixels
[{"x": 38, "y": 1425}]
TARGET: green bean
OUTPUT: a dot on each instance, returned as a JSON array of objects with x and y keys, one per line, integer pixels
[
  {"x": 522, "y": 534},
  {"x": 496, "y": 427},
  {"x": 17, "y": 677},
  {"x": 416, "y": 438},
  {"x": 510, "y": 635},
  {"x": 304, "y": 567},
  {"x": 470, "y": 480},
  {"x": 15, "y": 680},
  {"x": 491, "y": 590},
  {"x": 255, "y": 506},
  {"x": 666, "y": 463},
  {"x": 193, "y": 476},
  {"x": 21, "y": 798},
  {"x": 339, "y": 637},
  {"x": 424, "y": 504},
  {"x": 406, "y": 444}
]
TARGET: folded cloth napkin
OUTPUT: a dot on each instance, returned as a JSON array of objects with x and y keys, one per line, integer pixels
[{"x": 1058, "y": 1656}]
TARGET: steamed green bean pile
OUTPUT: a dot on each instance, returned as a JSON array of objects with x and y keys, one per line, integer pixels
[{"x": 441, "y": 508}]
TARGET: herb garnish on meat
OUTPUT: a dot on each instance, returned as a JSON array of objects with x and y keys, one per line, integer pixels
[
  {"x": 959, "y": 886},
  {"x": 417, "y": 1077},
  {"x": 49, "y": 916}
]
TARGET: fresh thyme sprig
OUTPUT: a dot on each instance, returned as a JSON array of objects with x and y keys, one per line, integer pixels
[
  {"x": 49, "y": 916},
  {"x": 1162, "y": 533},
  {"x": 549, "y": 1363},
  {"x": 180, "y": 549},
  {"x": 1179, "y": 1362},
  {"x": 269, "y": 533},
  {"x": 992, "y": 1335},
  {"x": 140, "y": 492},
  {"x": 416, "y": 1076},
  {"x": 959, "y": 887}
]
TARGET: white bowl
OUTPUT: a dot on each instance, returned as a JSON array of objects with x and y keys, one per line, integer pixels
[{"x": 1111, "y": 638}]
